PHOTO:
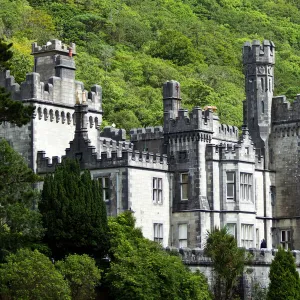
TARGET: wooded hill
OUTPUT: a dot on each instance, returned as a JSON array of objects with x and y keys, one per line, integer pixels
[{"x": 130, "y": 47}]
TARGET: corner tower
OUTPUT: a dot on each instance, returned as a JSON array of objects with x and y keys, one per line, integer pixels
[
  {"x": 54, "y": 59},
  {"x": 259, "y": 60}
]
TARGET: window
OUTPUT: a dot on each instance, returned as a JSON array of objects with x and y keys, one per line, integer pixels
[
  {"x": 158, "y": 233},
  {"x": 105, "y": 188},
  {"x": 230, "y": 184},
  {"x": 273, "y": 194},
  {"x": 157, "y": 190},
  {"x": 246, "y": 187},
  {"x": 285, "y": 239},
  {"x": 247, "y": 236},
  {"x": 184, "y": 185},
  {"x": 182, "y": 235},
  {"x": 231, "y": 227},
  {"x": 262, "y": 107}
]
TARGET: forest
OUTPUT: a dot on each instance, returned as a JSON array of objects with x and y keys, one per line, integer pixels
[{"x": 131, "y": 47}]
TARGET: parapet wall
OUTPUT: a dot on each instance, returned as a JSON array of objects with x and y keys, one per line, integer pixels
[
  {"x": 52, "y": 91},
  {"x": 55, "y": 46},
  {"x": 284, "y": 111},
  {"x": 259, "y": 53},
  {"x": 88, "y": 159},
  {"x": 197, "y": 119},
  {"x": 148, "y": 133}
]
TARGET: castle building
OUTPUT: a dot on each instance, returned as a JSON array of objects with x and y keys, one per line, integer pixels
[{"x": 181, "y": 179}]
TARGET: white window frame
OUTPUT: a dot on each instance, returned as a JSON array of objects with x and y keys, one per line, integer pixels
[
  {"x": 285, "y": 238},
  {"x": 246, "y": 187},
  {"x": 183, "y": 235},
  {"x": 184, "y": 184},
  {"x": 157, "y": 190},
  {"x": 231, "y": 183},
  {"x": 247, "y": 235},
  {"x": 158, "y": 233}
]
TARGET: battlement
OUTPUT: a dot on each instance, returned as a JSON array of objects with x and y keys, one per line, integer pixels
[
  {"x": 88, "y": 159},
  {"x": 256, "y": 256},
  {"x": 54, "y": 46},
  {"x": 284, "y": 111},
  {"x": 113, "y": 133},
  {"x": 226, "y": 132},
  {"x": 256, "y": 52},
  {"x": 197, "y": 119},
  {"x": 243, "y": 150},
  {"x": 148, "y": 133},
  {"x": 52, "y": 91}
]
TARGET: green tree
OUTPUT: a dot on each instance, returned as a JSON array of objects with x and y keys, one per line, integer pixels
[
  {"x": 82, "y": 275},
  {"x": 228, "y": 262},
  {"x": 74, "y": 213},
  {"x": 141, "y": 269},
  {"x": 12, "y": 111},
  {"x": 31, "y": 275},
  {"x": 20, "y": 225},
  {"x": 284, "y": 278}
]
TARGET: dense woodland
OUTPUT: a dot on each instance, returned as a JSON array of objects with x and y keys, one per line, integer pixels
[{"x": 130, "y": 47}]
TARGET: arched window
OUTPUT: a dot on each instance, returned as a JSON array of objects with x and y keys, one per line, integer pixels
[
  {"x": 63, "y": 117},
  {"x": 68, "y": 118},
  {"x": 262, "y": 84},
  {"x": 262, "y": 107},
  {"x": 51, "y": 115},
  {"x": 57, "y": 116},
  {"x": 91, "y": 121},
  {"x": 40, "y": 113},
  {"x": 45, "y": 114}
]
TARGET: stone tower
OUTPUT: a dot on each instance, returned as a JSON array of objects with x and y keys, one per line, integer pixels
[
  {"x": 259, "y": 60},
  {"x": 171, "y": 97}
]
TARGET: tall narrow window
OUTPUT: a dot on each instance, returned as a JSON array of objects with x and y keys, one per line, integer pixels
[
  {"x": 285, "y": 239},
  {"x": 157, "y": 190},
  {"x": 246, "y": 187},
  {"x": 158, "y": 233},
  {"x": 247, "y": 235},
  {"x": 262, "y": 84},
  {"x": 262, "y": 107},
  {"x": 257, "y": 239},
  {"x": 230, "y": 185},
  {"x": 182, "y": 235},
  {"x": 184, "y": 185},
  {"x": 105, "y": 188}
]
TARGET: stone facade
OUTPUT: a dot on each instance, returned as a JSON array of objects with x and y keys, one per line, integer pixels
[{"x": 180, "y": 179}]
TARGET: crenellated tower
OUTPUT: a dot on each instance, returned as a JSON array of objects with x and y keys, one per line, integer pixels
[{"x": 259, "y": 60}]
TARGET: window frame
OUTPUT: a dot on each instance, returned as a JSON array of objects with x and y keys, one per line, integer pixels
[
  {"x": 246, "y": 187},
  {"x": 182, "y": 239},
  {"x": 184, "y": 184},
  {"x": 105, "y": 184},
  {"x": 157, "y": 190},
  {"x": 286, "y": 244},
  {"x": 158, "y": 233},
  {"x": 231, "y": 183},
  {"x": 247, "y": 235}
]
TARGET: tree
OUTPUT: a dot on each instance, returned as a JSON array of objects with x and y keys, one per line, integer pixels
[
  {"x": 74, "y": 213},
  {"x": 82, "y": 275},
  {"x": 141, "y": 269},
  {"x": 284, "y": 278},
  {"x": 11, "y": 111},
  {"x": 20, "y": 225},
  {"x": 228, "y": 262},
  {"x": 31, "y": 275}
]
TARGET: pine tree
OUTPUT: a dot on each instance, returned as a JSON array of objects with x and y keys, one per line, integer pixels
[
  {"x": 284, "y": 278},
  {"x": 74, "y": 213},
  {"x": 12, "y": 111}
]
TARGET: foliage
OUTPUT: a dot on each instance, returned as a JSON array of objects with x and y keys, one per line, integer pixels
[
  {"x": 82, "y": 275},
  {"x": 141, "y": 269},
  {"x": 12, "y": 111},
  {"x": 228, "y": 261},
  {"x": 132, "y": 47},
  {"x": 74, "y": 213},
  {"x": 19, "y": 225},
  {"x": 31, "y": 275},
  {"x": 284, "y": 278}
]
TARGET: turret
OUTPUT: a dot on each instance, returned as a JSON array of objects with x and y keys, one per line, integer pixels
[
  {"x": 171, "y": 98},
  {"x": 259, "y": 60},
  {"x": 54, "y": 59}
]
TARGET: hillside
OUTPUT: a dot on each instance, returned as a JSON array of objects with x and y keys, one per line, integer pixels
[{"x": 130, "y": 47}]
